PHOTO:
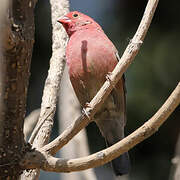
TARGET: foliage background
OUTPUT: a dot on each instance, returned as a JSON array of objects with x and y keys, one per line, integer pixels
[{"x": 149, "y": 80}]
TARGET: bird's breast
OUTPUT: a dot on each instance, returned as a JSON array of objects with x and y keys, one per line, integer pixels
[
  {"x": 91, "y": 53},
  {"x": 90, "y": 57}
]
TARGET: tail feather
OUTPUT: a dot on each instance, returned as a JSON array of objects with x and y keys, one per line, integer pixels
[
  {"x": 121, "y": 165},
  {"x": 113, "y": 131}
]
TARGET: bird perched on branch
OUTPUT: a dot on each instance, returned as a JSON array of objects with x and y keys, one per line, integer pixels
[{"x": 90, "y": 57}]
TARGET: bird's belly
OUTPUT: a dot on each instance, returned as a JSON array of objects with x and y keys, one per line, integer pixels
[{"x": 85, "y": 84}]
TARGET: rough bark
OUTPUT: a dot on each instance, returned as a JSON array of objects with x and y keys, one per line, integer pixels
[
  {"x": 3, "y": 9},
  {"x": 16, "y": 49}
]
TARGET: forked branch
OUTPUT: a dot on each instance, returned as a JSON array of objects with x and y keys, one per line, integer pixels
[{"x": 41, "y": 159}]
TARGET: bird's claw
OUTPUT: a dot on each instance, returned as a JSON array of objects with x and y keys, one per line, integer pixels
[{"x": 86, "y": 106}]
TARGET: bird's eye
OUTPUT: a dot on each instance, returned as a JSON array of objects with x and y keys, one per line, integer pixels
[{"x": 75, "y": 15}]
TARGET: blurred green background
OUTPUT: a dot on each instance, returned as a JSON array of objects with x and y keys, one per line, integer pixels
[{"x": 149, "y": 80}]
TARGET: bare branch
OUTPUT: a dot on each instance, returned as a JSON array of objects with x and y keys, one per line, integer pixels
[
  {"x": 30, "y": 121},
  {"x": 57, "y": 63},
  {"x": 42, "y": 131},
  {"x": 40, "y": 159},
  {"x": 127, "y": 58}
]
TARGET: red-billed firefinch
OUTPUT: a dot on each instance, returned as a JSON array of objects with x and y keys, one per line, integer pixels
[{"x": 90, "y": 57}]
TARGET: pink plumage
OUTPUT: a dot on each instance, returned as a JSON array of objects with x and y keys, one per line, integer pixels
[{"x": 90, "y": 57}]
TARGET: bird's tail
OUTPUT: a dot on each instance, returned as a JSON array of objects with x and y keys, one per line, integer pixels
[
  {"x": 121, "y": 165},
  {"x": 113, "y": 131},
  {"x": 111, "y": 124}
]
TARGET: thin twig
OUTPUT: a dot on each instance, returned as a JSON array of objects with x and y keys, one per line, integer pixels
[
  {"x": 30, "y": 121},
  {"x": 127, "y": 58},
  {"x": 40, "y": 159}
]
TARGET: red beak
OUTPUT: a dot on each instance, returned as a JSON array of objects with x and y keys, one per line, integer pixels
[{"x": 64, "y": 20}]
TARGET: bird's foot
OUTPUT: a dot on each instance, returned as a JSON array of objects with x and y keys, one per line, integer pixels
[
  {"x": 87, "y": 105},
  {"x": 86, "y": 110}
]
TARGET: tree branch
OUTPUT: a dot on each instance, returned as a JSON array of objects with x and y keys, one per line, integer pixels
[
  {"x": 51, "y": 88},
  {"x": 127, "y": 58},
  {"x": 40, "y": 159},
  {"x": 42, "y": 131},
  {"x": 30, "y": 121}
]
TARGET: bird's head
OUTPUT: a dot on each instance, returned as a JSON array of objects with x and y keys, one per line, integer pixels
[{"x": 74, "y": 21}]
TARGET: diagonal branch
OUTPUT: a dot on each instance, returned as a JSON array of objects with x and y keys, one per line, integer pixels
[
  {"x": 40, "y": 159},
  {"x": 51, "y": 89},
  {"x": 42, "y": 131},
  {"x": 127, "y": 58}
]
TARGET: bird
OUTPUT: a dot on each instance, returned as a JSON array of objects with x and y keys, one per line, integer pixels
[{"x": 90, "y": 57}]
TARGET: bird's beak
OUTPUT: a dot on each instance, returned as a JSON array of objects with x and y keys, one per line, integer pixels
[{"x": 64, "y": 20}]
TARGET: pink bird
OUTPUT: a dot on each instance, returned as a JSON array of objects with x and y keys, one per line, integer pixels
[{"x": 90, "y": 57}]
